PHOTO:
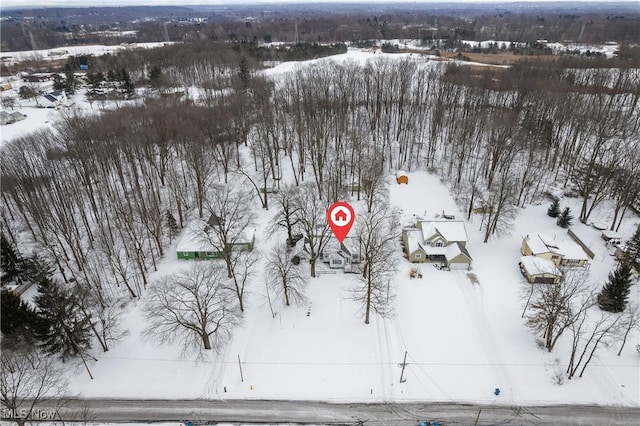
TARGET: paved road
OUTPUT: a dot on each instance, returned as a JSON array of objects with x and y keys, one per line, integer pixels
[{"x": 321, "y": 413}]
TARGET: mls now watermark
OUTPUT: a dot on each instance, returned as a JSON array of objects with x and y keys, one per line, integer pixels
[{"x": 35, "y": 414}]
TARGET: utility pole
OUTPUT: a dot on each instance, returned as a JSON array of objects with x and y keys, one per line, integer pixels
[
  {"x": 403, "y": 365},
  {"x": 240, "y": 365},
  {"x": 296, "y": 38},
  {"x": 527, "y": 304}
]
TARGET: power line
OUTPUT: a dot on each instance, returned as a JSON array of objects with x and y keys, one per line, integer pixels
[{"x": 346, "y": 364}]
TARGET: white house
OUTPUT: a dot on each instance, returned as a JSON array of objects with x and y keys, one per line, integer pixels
[
  {"x": 343, "y": 255},
  {"x": 441, "y": 241},
  {"x": 54, "y": 99}
]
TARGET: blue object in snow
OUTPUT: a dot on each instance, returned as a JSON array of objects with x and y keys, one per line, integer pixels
[
  {"x": 84, "y": 67},
  {"x": 496, "y": 392}
]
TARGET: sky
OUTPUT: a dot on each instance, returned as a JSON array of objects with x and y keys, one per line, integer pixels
[{"x": 59, "y": 3}]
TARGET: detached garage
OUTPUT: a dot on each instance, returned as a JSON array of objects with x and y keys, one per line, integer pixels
[{"x": 538, "y": 270}]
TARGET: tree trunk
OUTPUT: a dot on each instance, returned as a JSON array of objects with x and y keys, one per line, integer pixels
[
  {"x": 312, "y": 262},
  {"x": 368, "y": 308},
  {"x": 205, "y": 341}
]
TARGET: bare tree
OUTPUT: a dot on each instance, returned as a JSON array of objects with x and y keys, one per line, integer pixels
[
  {"x": 7, "y": 102},
  {"x": 553, "y": 309},
  {"x": 230, "y": 220},
  {"x": 377, "y": 231},
  {"x": 501, "y": 210},
  {"x": 28, "y": 379},
  {"x": 196, "y": 307},
  {"x": 373, "y": 177},
  {"x": 285, "y": 201},
  {"x": 286, "y": 279},
  {"x": 229, "y": 231},
  {"x": 242, "y": 263},
  {"x": 312, "y": 218},
  {"x": 597, "y": 332},
  {"x": 630, "y": 321}
]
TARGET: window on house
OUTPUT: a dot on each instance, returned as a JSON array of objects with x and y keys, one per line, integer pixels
[
  {"x": 211, "y": 253},
  {"x": 335, "y": 262},
  {"x": 418, "y": 256},
  {"x": 555, "y": 256},
  {"x": 185, "y": 253},
  {"x": 439, "y": 244}
]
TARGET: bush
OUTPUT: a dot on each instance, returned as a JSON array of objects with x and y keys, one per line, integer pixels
[{"x": 415, "y": 273}]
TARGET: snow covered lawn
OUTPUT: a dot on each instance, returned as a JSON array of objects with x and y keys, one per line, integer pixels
[{"x": 463, "y": 339}]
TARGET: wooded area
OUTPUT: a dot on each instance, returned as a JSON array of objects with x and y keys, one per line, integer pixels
[{"x": 101, "y": 198}]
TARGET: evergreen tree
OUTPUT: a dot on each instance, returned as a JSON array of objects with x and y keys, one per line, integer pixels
[
  {"x": 62, "y": 327},
  {"x": 127, "y": 85},
  {"x": 16, "y": 317},
  {"x": 244, "y": 72},
  {"x": 565, "y": 219},
  {"x": 11, "y": 261},
  {"x": 70, "y": 82},
  {"x": 35, "y": 270},
  {"x": 155, "y": 76},
  {"x": 58, "y": 82},
  {"x": 632, "y": 252},
  {"x": 554, "y": 208},
  {"x": 614, "y": 294},
  {"x": 174, "y": 229}
]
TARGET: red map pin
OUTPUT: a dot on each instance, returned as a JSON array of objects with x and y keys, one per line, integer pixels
[{"x": 340, "y": 217}]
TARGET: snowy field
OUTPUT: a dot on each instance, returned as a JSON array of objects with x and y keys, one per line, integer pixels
[
  {"x": 462, "y": 339},
  {"x": 66, "y": 51}
]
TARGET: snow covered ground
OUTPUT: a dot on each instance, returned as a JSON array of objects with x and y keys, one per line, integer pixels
[
  {"x": 66, "y": 51},
  {"x": 462, "y": 339}
]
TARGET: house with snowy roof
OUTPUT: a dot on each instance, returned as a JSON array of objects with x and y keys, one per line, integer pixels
[
  {"x": 539, "y": 270},
  {"x": 342, "y": 255},
  {"x": 195, "y": 243},
  {"x": 53, "y": 99},
  {"x": 441, "y": 241},
  {"x": 560, "y": 252}
]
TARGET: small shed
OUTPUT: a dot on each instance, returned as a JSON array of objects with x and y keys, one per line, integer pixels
[
  {"x": 401, "y": 177},
  {"x": 611, "y": 237}
]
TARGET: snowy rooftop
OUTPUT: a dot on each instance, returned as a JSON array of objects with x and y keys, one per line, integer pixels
[
  {"x": 537, "y": 244},
  {"x": 571, "y": 250},
  {"x": 611, "y": 235},
  {"x": 539, "y": 265},
  {"x": 451, "y": 230},
  {"x": 541, "y": 243},
  {"x": 454, "y": 250},
  {"x": 413, "y": 240},
  {"x": 191, "y": 241}
]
